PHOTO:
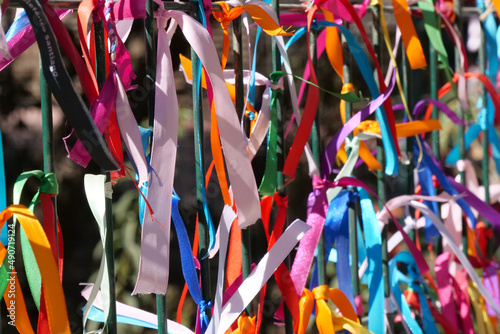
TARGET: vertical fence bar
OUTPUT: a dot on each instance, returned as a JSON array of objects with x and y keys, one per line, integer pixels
[
  {"x": 48, "y": 139},
  {"x": 149, "y": 32},
  {"x": 353, "y": 233},
  {"x": 461, "y": 115},
  {"x": 433, "y": 84},
  {"x": 485, "y": 142},
  {"x": 376, "y": 33},
  {"x": 246, "y": 251},
  {"x": 100, "y": 56},
  {"x": 280, "y": 148},
  {"x": 200, "y": 175},
  {"x": 316, "y": 150}
]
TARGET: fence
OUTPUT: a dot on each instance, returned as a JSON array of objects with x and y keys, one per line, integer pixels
[{"x": 368, "y": 260}]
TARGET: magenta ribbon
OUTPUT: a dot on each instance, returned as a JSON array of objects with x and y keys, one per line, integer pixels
[
  {"x": 445, "y": 289},
  {"x": 103, "y": 107}
]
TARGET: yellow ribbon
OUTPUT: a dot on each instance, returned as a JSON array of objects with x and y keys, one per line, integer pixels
[
  {"x": 52, "y": 288},
  {"x": 327, "y": 320},
  {"x": 483, "y": 321}
]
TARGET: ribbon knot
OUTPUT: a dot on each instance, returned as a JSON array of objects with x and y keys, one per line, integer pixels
[
  {"x": 48, "y": 184},
  {"x": 161, "y": 15},
  {"x": 320, "y": 184},
  {"x": 281, "y": 201},
  {"x": 277, "y": 85},
  {"x": 321, "y": 292},
  {"x": 203, "y": 306}
]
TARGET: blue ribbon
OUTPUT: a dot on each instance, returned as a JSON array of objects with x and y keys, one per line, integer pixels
[
  {"x": 413, "y": 281},
  {"x": 187, "y": 263},
  {"x": 20, "y": 23},
  {"x": 337, "y": 232},
  {"x": 373, "y": 274},
  {"x": 443, "y": 181},
  {"x": 427, "y": 188}
]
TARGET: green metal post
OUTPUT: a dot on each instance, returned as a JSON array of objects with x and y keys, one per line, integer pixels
[
  {"x": 485, "y": 142},
  {"x": 280, "y": 150},
  {"x": 353, "y": 233},
  {"x": 461, "y": 115},
  {"x": 376, "y": 41},
  {"x": 149, "y": 32},
  {"x": 316, "y": 150},
  {"x": 100, "y": 55},
  {"x": 434, "y": 77},
  {"x": 200, "y": 178},
  {"x": 48, "y": 138}
]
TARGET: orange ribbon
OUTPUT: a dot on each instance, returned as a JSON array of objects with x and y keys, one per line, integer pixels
[
  {"x": 258, "y": 14},
  {"x": 52, "y": 288},
  {"x": 327, "y": 320}
]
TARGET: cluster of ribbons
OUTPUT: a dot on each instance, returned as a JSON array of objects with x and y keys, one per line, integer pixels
[{"x": 358, "y": 229}]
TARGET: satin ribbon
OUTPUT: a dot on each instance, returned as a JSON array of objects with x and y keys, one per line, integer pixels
[
  {"x": 61, "y": 86},
  {"x": 373, "y": 239},
  {"x": 102, "y": 109},
  {"x": 315, "y": 219},
  {"x": 238, "y": 165},
  {"x": 269, "y": 180},
  {"x": 95, "y": 189},
  {"x": 20, "y": 36},
  {"x": 4, "y": 49},
  {"x": 409, "y": 200},
  {"x": 52, "y": 287},
  {"x": 261, "y": 13},
  {"x": 187, "y": 262},
  {"x": 257, "y": 278},
  {"x": 413, "y": 282},
  {"x": 48, "y": 188},
  {"x": 353, "y": 122},
  {"x": 158, "y": 174},
  {"x": 127, "y": 314},
  {"x": 327, "y": 320}
]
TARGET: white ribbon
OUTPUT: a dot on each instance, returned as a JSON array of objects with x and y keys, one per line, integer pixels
[{"x": 95, "y": 191}]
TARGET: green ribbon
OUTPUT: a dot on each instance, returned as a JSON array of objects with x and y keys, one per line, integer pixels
[
  {"x": 433, "y": 30},
  {"x": 48, "y": 185},
  {"x": 269, "y": 181}
]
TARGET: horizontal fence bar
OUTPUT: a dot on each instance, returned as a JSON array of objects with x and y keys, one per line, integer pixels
[{"x": 188, "y": 6}]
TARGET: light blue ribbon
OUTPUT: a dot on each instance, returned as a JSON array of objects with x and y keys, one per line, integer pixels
[
  {"x": 373, "y": 274},
  {"x": 19, "y": 24}
]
